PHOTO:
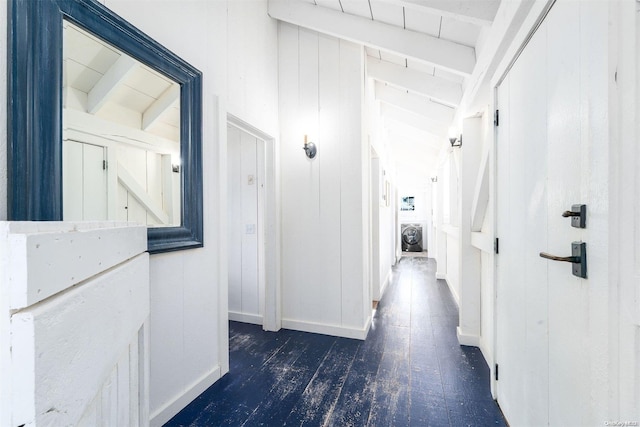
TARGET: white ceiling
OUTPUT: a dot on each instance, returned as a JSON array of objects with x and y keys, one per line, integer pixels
[
  {"x": 113, "y": 86},
  {"x": 421, "y": 54}
]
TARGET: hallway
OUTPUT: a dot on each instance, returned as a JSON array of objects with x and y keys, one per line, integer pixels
[{"x": 409, "y": 371}]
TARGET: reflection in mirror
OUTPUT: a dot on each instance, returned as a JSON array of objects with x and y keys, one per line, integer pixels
[{"x": 121, "y": 136}]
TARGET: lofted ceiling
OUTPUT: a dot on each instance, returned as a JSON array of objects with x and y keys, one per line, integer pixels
[
  {"x": 100, "y": 80},
  {"x": 421, "y": 54}
]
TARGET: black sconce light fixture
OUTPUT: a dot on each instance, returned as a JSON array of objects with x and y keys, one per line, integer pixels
[
  {"x": 453, "y": 140},
  {"x": 309, "y": 148}
]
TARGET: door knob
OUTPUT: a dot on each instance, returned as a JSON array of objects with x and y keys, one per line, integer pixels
[{"x": 578, "y": 258}]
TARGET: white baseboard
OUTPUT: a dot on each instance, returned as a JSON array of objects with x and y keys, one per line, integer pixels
[
  {"x": 160, "y": 416},
  {"x": 442, "y": 276},
  {"x": 319, "y": 328},
  {"x": 255, "y": 319},
  {"x": 467, "y": 339}
]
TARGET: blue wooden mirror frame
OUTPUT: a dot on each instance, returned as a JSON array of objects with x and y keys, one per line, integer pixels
[{"x": 34, "y": 149}]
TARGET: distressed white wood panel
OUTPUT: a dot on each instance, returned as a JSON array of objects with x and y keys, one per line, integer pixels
[
  {"x": 96, "y": 322},
  {"x": 249, "y": 214},
  {"x": 72, "y": 181},
  {"x": 330, "y": 140},
  {"x": 234, "y": 224},
  {"x": 46, "y": 263},
  {"x": 94, "y": 183},
  {"x": 127, "y": 380},
  {"x": 354, "y": 156}
]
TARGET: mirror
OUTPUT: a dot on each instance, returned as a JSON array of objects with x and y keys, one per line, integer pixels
[
  {"x": 104, "y": 123},
  {"x": 120, "y": 135}
]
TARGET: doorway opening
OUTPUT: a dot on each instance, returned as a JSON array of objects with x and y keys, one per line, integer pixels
[{"x": 253, "y": 229}]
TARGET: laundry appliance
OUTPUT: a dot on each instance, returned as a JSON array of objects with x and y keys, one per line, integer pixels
[{"x": 411, "y": 235}]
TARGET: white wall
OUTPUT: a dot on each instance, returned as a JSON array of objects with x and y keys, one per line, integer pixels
[
  {"x": 188, "y": 331},
  {"x": 252, "y": 64},
  {"x": 325, "y": 201}
]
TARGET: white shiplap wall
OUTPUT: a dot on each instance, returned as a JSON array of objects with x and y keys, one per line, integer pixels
[{"x": 325, "y": 286}]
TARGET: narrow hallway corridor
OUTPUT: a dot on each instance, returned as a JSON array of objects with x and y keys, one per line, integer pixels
[{"x": 409, "y": 371}]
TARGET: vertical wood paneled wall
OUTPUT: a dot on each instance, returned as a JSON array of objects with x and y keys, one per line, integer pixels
[{"x": 325, "y": 284}]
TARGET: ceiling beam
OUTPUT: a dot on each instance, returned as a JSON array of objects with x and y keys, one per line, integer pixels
[
  {"x": 422, "y": 47},
  {"x": 414, "y": 103},
  {"x": 415, "y": 81},
  {"x": 414, "y": 120},
  {"x": 109, "y": 82},
  {"x": 425, "y": 132},
  {"x": 160, "y": 105},
  {"x": 425, "y": 140},
  {"x": 478, "y": 12}
]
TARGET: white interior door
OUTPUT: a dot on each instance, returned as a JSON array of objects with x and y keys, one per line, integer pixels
[
  {"x": 245, "y": 187},
  {"x": 84, "y": 181},
  {"x": 551, "y": 139}
]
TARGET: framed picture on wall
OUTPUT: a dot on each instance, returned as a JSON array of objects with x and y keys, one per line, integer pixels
[{"x": 408, "y": 203}]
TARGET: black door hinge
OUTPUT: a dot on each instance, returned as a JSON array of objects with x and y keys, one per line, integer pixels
[
  {"x": 104, "y": 165},
  {"x": 496, "y": 245},
  {"x": 496, "y": 372},
  {"x": 496, "y": 118}
]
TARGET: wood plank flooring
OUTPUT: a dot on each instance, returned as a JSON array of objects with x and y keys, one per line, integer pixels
[{"x": 410, "y": 371}]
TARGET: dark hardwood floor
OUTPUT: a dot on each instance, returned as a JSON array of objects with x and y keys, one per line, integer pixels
[{"x": 410, "y": 371}]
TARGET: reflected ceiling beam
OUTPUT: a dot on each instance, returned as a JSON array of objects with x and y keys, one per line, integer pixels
[
  {"x": 162, "y": 104},
  {"x": 422, "y": 47},
  {"x": 109, "y": 82},
  {"x": 414, "y": 120},
  {"x": 415, "y": 81},
  {"x": 414, "y": 103},
  {"x": 472, "y": 11}
]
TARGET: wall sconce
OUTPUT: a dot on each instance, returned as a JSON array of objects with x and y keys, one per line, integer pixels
[
  {"x": 309, "y": 148},
  {"x": 453, "y": 140},
  {"x": 434, "y": 179}
]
